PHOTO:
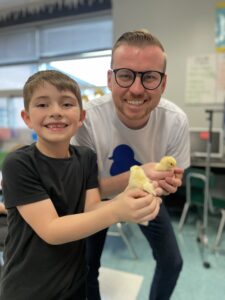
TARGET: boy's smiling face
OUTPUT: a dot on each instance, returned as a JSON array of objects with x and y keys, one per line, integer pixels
[{"x": 53, "y": 114}]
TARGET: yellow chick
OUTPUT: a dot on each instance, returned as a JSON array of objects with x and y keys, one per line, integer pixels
[
  {"x": 166, "y": 164},
  {"x": 85, "y": 98},
  {"x": 99, "y": 92},
  {"x": 140, "y": 180}
]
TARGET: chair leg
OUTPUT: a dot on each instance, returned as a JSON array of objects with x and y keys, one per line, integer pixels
[
  {"x": 1, "y": 259},
  {"x": 183, "y": 215},
  {"x": 220, "y": 230},
  {"x": 126, "y": 240}
]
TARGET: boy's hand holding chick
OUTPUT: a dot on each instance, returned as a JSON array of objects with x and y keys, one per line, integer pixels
[
  {"x": 135, "y": 205},
  {"x": 138, "y": 179}
]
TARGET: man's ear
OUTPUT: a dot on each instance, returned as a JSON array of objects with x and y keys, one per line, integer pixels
[
  {"x": 82, "y": 117},
  {"x": 109, "y": 79},
  {"x": 163, "y": 86},
  {"x": 26, "y": 118}
]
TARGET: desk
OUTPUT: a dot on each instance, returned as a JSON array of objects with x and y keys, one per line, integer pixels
[{"x": 215, "y": 163}]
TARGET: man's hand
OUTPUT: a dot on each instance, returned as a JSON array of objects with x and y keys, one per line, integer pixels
[
  {"x": 168, "y": 181},
  {"x": 171, "y": 184}
]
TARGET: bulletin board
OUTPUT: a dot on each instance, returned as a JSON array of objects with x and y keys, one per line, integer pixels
[
  {"x": 205, "y": 79},
  {"x": 205, "y": 75},
  {"x": 201, "y": 79}
]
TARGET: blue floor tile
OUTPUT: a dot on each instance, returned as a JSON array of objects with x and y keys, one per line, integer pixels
[{"x": 196, "y": 282}]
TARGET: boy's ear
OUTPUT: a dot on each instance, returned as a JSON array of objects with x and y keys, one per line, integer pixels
[
  {"x": 82, "y": 117},
  {"x": 26, "y": 118}
]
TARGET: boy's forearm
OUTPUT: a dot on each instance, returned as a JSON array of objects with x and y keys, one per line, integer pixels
[{"x": 75, "y": 227}]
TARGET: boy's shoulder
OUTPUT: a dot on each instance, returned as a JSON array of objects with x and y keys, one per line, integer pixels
[
  {"x": 82, "y": 151},
  {"x": 19, "y": 153}
]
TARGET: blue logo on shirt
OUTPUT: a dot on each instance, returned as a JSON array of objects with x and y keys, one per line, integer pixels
[{"x": 123, "y": 159}]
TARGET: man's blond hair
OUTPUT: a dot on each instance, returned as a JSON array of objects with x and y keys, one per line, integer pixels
[{"x": 139, "y": 38}]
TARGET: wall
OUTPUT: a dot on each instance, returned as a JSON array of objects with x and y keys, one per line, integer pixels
[{"x": 185, "y": 28}]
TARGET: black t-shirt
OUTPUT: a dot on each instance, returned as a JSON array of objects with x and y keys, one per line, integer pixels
[{"x": 34, "y": 269}]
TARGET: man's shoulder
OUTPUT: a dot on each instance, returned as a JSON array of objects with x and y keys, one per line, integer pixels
[
  {"x": 99, "y": 103},
  {"x": 83, "y": 150},
  {"x": 168, "y": 105}
]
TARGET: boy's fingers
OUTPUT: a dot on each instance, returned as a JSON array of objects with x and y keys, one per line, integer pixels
[
  {"x": 151, "y": 216},
  {"x": 135, "y": 192},
  {"x": 150, "y": 209}
]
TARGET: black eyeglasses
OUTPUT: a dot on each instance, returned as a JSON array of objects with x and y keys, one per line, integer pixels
[{"x": 149, "y": 79}]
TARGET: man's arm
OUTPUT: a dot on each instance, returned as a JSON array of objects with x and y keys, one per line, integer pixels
[
  {"x": 167, "y": 182},
  {"x": 113, "y": 185}
]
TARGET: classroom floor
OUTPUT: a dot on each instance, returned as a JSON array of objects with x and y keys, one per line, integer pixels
[{"x": 196, "y": 281}]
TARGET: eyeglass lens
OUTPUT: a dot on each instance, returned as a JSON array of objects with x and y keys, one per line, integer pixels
[{"x": 150, "y": 80}]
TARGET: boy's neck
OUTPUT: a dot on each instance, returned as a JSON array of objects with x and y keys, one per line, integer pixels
[{"x": 54, "y": 150}]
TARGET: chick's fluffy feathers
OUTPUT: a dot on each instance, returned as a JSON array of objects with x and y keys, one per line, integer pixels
[
  {"x": 138, "y": 179},
  {"x": 166, "y": 164}
]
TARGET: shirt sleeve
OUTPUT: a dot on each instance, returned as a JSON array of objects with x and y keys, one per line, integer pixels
[
  {"x": 84, "y": 135},
  {"x": 93, "y": 174},
  {"x": 179, "y": 145},
  {"x": 21, "y": 182}
]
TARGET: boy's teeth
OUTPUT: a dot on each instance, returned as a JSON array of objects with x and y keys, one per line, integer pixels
[{"x": 56, "y": 126}]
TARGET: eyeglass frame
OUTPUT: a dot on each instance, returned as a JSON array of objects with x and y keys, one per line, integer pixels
[{"x": 135, "y": 73}]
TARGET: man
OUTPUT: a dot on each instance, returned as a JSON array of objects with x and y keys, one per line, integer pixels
[{"x": 135, "y": 126}]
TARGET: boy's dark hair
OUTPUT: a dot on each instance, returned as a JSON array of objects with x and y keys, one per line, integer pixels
[
  {"x": 58, "y": 79},
  {"x": 138, "y": 38}
]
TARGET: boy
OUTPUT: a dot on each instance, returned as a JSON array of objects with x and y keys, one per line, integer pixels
[{"x": 51, "y": 194}]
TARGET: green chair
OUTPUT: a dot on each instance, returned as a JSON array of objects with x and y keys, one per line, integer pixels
[
  {"x": 2, "y": 157},
  {"x": 195, "y": 180},
  {"x": 220, "y": 230},
  {"x": 194, "y": 185}
]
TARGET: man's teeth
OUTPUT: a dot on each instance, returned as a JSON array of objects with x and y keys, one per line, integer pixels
[{"x": 135, "y": 102}]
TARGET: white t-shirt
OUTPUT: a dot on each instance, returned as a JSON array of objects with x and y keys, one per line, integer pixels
[{"x": 119, "y": 147}]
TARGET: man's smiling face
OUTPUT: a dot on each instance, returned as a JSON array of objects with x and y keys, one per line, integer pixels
[{"x": 134, "y": 104}]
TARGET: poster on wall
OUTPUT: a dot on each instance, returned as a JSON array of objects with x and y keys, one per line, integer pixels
[
  {"x": 201, "y": 79},
  {"x": 220, "y": 27},
  {"x": 220, "y": 78},
  {"x": 205, "y": 79}
]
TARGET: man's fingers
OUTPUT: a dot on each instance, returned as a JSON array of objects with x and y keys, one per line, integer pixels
[
  {"x": 176, "y": 182},
  {"x": 159, "y": 175},
  {"x": 159, "y": 191},
  {"x": 168, "y": 188}
]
